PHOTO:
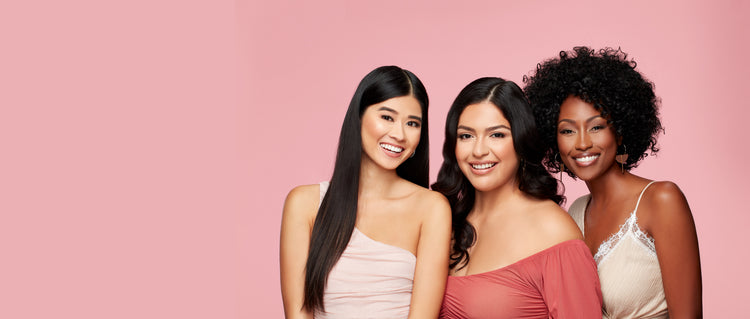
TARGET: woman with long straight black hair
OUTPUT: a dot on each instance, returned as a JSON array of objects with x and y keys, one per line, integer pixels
[{"x": 373, "y": 242}]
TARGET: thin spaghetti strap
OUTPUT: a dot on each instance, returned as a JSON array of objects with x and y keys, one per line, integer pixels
[{"x": 639, "y": 196}]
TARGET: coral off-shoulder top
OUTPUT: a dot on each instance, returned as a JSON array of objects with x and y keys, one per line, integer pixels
[{"x": 558, "y": 282}]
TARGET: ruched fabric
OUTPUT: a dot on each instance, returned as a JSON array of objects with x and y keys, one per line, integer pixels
[{"x": 558, "y": 282}]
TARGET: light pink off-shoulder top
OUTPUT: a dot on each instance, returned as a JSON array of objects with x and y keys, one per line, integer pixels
[{"x": 370, "y": 280}]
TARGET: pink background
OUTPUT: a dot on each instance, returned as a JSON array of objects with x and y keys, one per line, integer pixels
[{"x": 147, "y": 146}]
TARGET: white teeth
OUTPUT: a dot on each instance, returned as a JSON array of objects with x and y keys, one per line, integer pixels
[
  {"x": 483, "y": 166},
  {"x": 392, "y": 148},
  {"x": 586, "y": 159}
]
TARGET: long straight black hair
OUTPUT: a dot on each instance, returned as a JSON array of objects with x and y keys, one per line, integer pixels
[
  {"x": 532, "y": 176},
  {"x": 337, "y": 214}
]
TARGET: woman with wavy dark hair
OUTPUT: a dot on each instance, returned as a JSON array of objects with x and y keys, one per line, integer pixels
[
  {"x": 373, "y": 242},
  {"x": 515, "y": 252},
  {"x": 598, "y": 117}
]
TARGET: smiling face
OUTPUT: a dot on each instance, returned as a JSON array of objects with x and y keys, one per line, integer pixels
[
  {"x": 587, "y": 143},
  {"x": 391, "y": 130},
  {"x": 484, "y": 147}
]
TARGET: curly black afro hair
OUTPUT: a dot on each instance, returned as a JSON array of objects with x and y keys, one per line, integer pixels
[{"x": 608, "y": 80}]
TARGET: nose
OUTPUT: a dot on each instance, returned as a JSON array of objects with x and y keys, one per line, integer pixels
[
  {"x": 397, "y": 132},
  {"x": 583, "y": 142},
  {"x": 480, "y": 149}
]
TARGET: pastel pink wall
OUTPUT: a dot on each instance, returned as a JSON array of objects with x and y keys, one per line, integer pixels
[
  {"x": 306, "y": 58},
  {"x": 147, "y": 146}
]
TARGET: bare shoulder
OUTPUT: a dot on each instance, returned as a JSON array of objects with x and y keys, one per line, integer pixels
[
  {"x": 431, "y": 203},
  {"x": 424, "y": 198},
  {"x": 431, "y": 197},
  {"x": 664, "y": 193},
  {"x": 664, "y": 204},
  {"x": 554, "y": 223},
  {"x": 302, "y": 202}
]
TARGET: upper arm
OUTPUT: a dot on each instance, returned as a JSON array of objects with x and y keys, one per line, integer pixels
[
  {"x": 299, "y": 212},
  {"x": 671, "y": 224},
  {"x": 433, "y": 251},
  {"x": 571, "y": 284}
]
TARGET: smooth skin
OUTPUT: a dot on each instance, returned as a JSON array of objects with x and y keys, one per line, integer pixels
[
  {"x": 663, "y": 213},
  {"x": 510, "y": 225},
  {"x": 391, "y": 210}
]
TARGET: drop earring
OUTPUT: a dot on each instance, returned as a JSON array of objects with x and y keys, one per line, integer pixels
[
  {"x": 412, "y": 154},
  {"x": 622, "y": 158}
]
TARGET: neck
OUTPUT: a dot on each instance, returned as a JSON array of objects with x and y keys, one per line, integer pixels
[
  {"x": 605, "y": 187},
  {"x": 374, "y": 179},
  {"x": 487, "y": 202}
]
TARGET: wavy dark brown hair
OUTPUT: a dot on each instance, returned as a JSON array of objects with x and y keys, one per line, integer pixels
[{"x": 532, "y": 176}]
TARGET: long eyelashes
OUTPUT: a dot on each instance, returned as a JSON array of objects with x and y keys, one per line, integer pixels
[
  {"x": 409, "y": 123},
  {"x": 464, "y": 136},
  {"x": 593, "y": 129},
  {"x": 498, "y": 134}
]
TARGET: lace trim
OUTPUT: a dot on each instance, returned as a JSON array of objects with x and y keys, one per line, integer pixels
[{"x": 630, "y": 226}]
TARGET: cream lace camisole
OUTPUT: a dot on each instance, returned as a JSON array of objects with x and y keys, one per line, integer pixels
[
  {"x": 628, "y": 268},
  {"x": 370, "y": 280}
]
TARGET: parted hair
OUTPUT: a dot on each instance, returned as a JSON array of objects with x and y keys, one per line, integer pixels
[
  {"x": 337, "y": 214},
  {"x": 532, "y": 177}
]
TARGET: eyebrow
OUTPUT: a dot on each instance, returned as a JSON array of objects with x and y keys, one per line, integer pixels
[
  {"x": 587, "y": 120},
  {"x": 491, "y": 128},
  {"x": 385, "y": 108}
]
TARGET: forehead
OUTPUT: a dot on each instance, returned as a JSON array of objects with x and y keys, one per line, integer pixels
[
  {"x": 484, "y": 114},
  {"x": 406, "y": 105},
  {"x": 574, "y": 107}
]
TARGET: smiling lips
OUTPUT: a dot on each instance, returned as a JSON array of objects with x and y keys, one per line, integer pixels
[
  {"x": 392, "y": 150},
  {"x": 482, "y": 168},
  {"x": 483, "y": 165},
  {"x": 586, "y": 160}
]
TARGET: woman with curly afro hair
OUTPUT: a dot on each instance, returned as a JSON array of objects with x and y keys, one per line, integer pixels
[{"x": 598, "y": 118}]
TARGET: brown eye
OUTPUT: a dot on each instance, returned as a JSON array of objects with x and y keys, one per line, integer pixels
[{"x": 498, "y": 135}]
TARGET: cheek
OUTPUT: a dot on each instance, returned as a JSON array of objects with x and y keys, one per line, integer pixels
[
  {"x": 415, "y": 135},
  {"x": 369, "y": 128},
  {"x": 463, "y": 149},
  {"x": 564, "y": 144},
  {"x": 502, "y": 148},
  {"x": 605, "y": 141}
]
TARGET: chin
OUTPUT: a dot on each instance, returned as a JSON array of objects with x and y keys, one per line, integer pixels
[
  {"x": 586, "y": 176},
  {"x": 484, "y": 186}
]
